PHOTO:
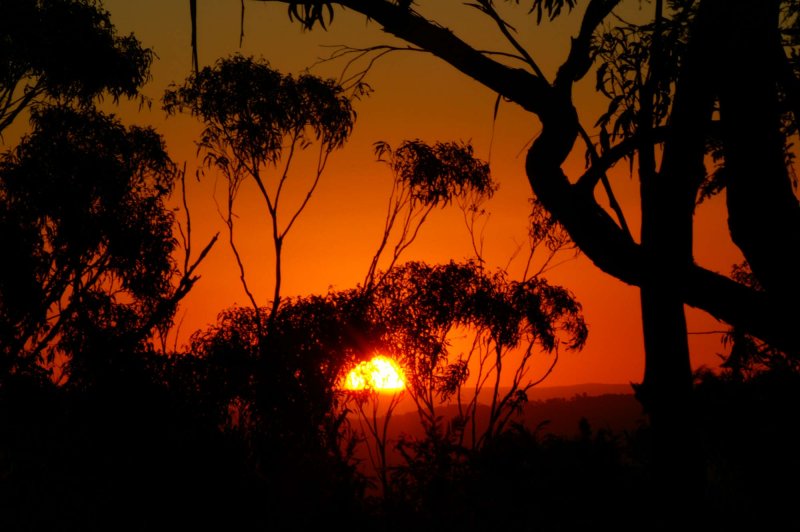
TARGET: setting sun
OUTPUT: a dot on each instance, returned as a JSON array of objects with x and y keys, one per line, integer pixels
[{"x": 380, "y": 374}]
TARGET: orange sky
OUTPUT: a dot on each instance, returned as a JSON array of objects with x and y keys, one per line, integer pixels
[{"x": 415, "y": 96}]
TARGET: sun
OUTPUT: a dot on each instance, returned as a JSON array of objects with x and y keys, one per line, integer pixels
[{"x": 381, "y": 374}]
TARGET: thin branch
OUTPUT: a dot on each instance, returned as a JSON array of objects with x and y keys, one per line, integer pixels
[
  {"x": 486, "y": 7},
  {"x": 406, "y": 240},
  {"x": 186, "y": 238},
  {"x": 470, "y": 221},
  {"x": 193, "y": 15},
  {"x": 21, "y": 103},
  {"x": 239, "y": 263},
  {"x": 284, "y": 174},
  {"x": 601, "y": 174},
  {"x": 341, "y": 51},
  {"x": 322, "y": 161},
  {"x": 393, "y": 210},
  {"x": 548, "y": 267},
  {"x": 625, "y": 148},
  {"x": 241, "y": 25}
]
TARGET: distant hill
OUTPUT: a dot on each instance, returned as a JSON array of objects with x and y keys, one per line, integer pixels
[
  {"x": 613, "y": 412},
  {"x": 540, "y": 393},
  {"x": 556, "y": 414},
  {"x": 556, "y": 411},
  {"x": 543, "y": 393}
]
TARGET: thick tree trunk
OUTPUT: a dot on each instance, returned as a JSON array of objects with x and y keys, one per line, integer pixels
[
  {"x": 666, "y": 390},
  {"x": 763, "y": 212},
  {"x": 667, "y": 201}
]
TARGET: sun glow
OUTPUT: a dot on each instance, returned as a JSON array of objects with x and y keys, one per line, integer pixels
[{"x": 381, "y": 374}]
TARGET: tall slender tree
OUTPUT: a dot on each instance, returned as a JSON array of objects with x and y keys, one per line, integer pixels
[{"x": 257, "y": 122}]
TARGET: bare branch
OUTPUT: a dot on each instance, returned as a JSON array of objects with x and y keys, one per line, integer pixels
[
  {"x": 518, "y": 85},
  {"x": 505, "y": 28}
]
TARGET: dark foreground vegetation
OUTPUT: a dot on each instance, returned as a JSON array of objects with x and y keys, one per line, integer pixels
[{"x": 141, "y": 452}]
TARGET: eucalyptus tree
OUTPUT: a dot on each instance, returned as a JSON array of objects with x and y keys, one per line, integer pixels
[
  {"x": 83, "y": 213},
  {"x": 256, "y": 123},
  {"x": 425, "y": 176},
  {"x": 426, "y": 306},
  {"x": 287, "y": 410},
  {"x": 64, "y": 51},
  {"x": 67, "y": 188}
]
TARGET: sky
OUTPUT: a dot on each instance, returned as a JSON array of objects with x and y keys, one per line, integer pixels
[{"x": 415, "y": 96}]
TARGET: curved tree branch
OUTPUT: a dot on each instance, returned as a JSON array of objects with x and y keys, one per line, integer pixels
[
  {"x": 520, "y": 86},
  {"x": 598, "y": 236}
]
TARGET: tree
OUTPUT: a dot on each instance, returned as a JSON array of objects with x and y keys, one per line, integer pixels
[
  {"x": 83, "y": 212},
  {"x": 88, "y": 279},
  {"x": 425, "y": 176},
  {"x": 101, "y": 261},
  {"x": 421, "y": 308},
  {"x": 66, "y": 51},
  {"x": 256, "y": 121},
  {"x": 284, "y": 406},
  {"x": 504, "y": 325},
  {"x": 289, "y": 398}
]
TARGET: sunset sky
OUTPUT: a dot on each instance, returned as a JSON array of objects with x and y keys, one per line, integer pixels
[{"x": 415, "y": 96}]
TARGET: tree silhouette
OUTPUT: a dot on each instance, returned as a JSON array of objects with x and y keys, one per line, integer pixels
[
  {"x": 64, "y": 50},
  {"x": 84, "y": 215},
  {"x": 262, "y": 427},
  {"x": 425, "y": 177},
  {"x": 505, "y": 325},
  {"x": 284, "y": 405},
  {"x": 82, "y": 197},
  {"x": 89, "y": 278},
  {"x": 422, "y": 307},
  {"x": 256, "y": 122},
  {"x": 290, "y": 398}
]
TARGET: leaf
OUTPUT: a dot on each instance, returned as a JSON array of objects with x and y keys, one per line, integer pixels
[
  {"x": 605, "y": 143},
  {"x": 382, "y": 148},
  {"x": 552, "y": 7},
  {"x": 496, "y": 108}
]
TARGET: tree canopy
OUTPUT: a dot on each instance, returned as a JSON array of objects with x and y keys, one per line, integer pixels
[
  {"x": 84, "y": 214},
  {"x": 64, "y": 50},
  {"x": 257, "y": 121}
]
